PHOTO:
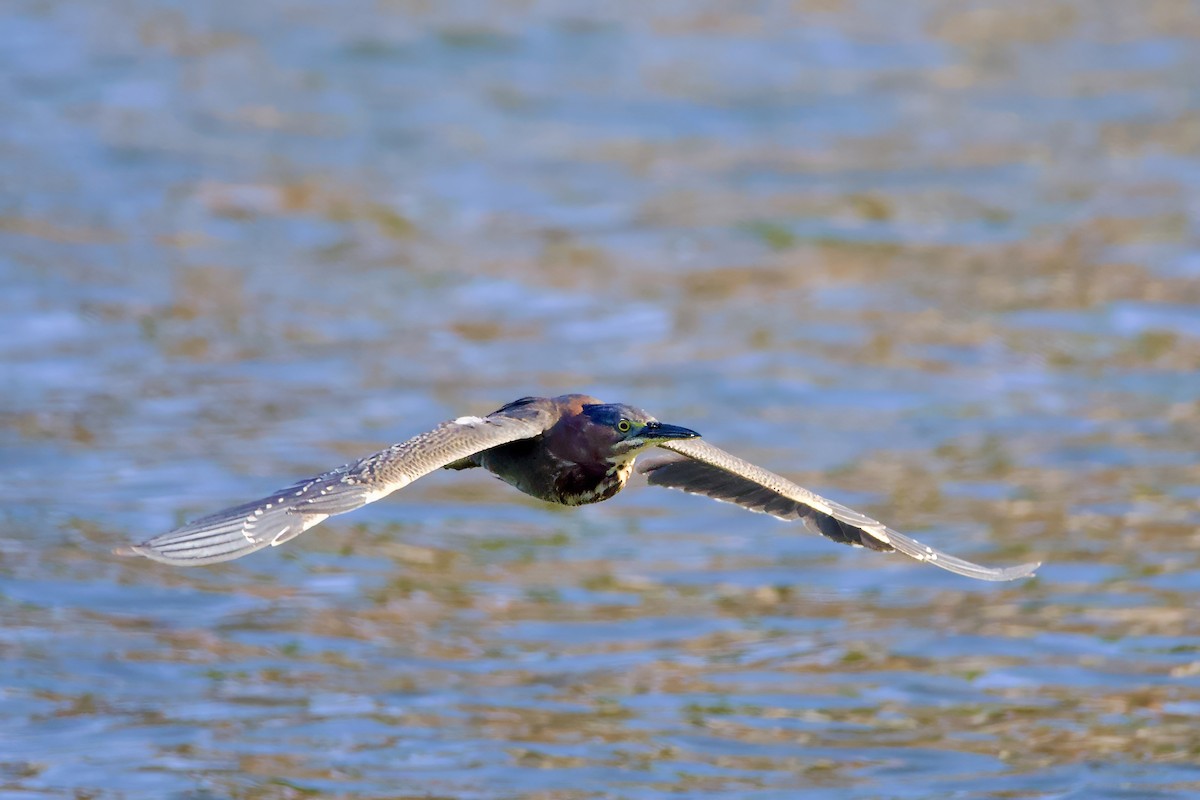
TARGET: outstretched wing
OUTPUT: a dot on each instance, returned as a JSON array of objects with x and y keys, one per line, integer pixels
[
  {"x": 701, "y": 468},
  {"x": 287, "y": 513}
]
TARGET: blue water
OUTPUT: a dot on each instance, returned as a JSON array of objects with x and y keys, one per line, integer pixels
[{"x": 938, "y": 262}]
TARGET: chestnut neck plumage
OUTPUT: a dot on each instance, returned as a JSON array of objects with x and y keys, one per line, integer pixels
[{"x": 574, "y": 463}]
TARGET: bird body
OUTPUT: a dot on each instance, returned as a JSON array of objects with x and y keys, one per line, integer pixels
[
  {"x": 571, "y": 450},
  {"x": 574, "y": 462}
]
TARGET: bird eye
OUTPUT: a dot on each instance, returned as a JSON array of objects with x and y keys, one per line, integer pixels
[{"x": 623, "y": 426}]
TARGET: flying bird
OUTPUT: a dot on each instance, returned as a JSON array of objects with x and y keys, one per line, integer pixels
[{"x": 570, "y": 450}]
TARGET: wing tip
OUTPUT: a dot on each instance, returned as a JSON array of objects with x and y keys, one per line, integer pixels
[
  {"x": 169, "y": 549},
  {"x": 149, "y": 551},
  {"x": 1028, "y": 570},
  {"x": 997, "y": 574}
]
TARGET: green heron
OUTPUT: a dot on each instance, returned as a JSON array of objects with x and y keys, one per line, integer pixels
[{"x": 570, "y": 450}]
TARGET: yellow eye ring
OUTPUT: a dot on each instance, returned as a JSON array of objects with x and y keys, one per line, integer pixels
[{"x": 623, "y": 426}]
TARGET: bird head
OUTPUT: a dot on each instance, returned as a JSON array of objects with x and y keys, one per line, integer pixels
[{"x": 620, "y": 432}]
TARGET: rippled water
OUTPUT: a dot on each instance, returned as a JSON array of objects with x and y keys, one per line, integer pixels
[{"x": 939, "y": 261}]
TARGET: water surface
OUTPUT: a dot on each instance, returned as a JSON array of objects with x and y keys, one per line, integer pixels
[{"x": 937, "y": 261}]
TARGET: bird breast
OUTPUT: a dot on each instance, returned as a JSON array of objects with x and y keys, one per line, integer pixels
[{"x": 579, "y": 484}]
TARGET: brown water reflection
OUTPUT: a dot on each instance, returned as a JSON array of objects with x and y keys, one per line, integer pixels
[{"x": 938, "y": 261}]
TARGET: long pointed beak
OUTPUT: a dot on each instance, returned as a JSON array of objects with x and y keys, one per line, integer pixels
[{"x": 662, "y": 431}]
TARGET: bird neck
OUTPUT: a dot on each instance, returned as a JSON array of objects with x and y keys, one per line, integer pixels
[
  {"x": 620, "y": 468},
  {"x": 581, "y": 484}
]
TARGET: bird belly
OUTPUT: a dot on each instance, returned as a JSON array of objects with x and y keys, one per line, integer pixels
[{"x": 555, "y": 480}]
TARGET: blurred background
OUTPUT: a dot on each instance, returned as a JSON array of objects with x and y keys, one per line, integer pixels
[{"x": 938, "y": 260}]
